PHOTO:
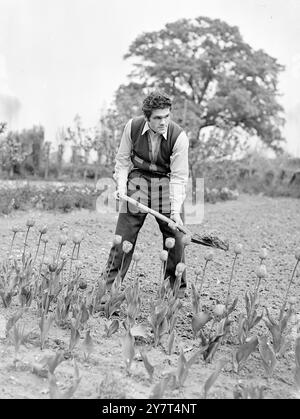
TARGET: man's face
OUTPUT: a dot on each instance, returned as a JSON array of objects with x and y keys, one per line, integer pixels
[{"x": 159, "y": 120}]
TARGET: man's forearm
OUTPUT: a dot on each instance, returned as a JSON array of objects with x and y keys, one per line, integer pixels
[
  {"x": 121, "y": 176},
  {"x": 179, "y": 173},
  {"x": 123, "y": 161},
  {"x": 177, "y": 196}
]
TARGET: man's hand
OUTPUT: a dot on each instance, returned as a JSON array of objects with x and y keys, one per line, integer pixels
[
  {"x": 177, "y": 219},
  {"x": 118, "y": 194}
]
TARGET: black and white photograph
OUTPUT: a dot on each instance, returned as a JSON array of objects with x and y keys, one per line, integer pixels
[{"x": 149, "y": 202}]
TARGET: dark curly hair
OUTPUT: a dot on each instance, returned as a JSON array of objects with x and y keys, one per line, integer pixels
[{"x": 155, "y": 100}]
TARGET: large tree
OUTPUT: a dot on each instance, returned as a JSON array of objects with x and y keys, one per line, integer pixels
[{"x": 219, "y": 84}]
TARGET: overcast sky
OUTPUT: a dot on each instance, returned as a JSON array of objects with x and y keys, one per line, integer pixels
[{"x": 62, "y": 57}]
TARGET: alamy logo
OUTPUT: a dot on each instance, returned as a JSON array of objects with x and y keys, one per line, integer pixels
[{"x": 154, "y": 194}]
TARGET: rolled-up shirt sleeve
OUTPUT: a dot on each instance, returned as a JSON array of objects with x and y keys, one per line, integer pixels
[
  {"x": 123, "y": 162},
  {"x": 179, "y": 166}
]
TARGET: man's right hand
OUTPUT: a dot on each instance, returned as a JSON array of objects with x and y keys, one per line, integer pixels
[{"x": 177, "y": 219}]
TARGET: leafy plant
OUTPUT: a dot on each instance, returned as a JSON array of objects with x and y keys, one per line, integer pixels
[
  {"x": 148, "y": 366},
  {"x": 52, "y": 284},
  {"x": 237, "y": 250},
  {"x": 133, "y": 300},
  {"x": 251, "y": 319},
  {"x": 44, "y": 325},
  {"x": 213, "y": 341},
  {"x": 112, "y": 328},
  {"x": 75, "y": 335},
  {"x": 29, "y": 223},
  {"x": 87, "y": 345},
  {"x": 171, "y": 342},
  {"x": 199, "y": 321},
  {"x": 42, "y": 230},
  {"x": 297, "y": 256},
  {"x": 243, "y": 352},
  {"x": 213, "y": 377},
  {"x": 158, "y": 321},
  {"x": 208, "y": 257},
  {"x": 182, "y": 369},
  {"x": 128, "y": 349},
  {"x": 267, "y": 354},
  {"x": 115, "y": 298},
  {"x": 277, "y": 329}
]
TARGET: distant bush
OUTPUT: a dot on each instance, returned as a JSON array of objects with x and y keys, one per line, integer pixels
[
  {"x": 66, "y": 197},
  {"x": 46, "y": 196},
  {"x": 254, "y": 174},
  {"x": 222, "y": 181}
]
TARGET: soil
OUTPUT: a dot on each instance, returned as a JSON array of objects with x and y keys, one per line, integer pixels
[{"x": 252, "y": 221}]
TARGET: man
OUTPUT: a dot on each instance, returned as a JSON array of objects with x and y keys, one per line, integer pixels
[{"x": 152, "y": 167}]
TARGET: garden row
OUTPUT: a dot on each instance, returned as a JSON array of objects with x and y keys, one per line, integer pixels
[
  {"x": 51, "y": 286},
  {"x": 65, "y": 197}
]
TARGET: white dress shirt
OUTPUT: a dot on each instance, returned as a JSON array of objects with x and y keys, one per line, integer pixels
[{"x": 179, "y": 169}]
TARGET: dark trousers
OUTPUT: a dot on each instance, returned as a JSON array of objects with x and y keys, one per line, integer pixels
[{"x": 128, "y": 226}]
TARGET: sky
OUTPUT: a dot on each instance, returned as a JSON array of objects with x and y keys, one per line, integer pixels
[{"x": 63, "y": 57}]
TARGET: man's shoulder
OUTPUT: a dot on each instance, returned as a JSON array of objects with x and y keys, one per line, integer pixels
[
  {"x": 175, "y": 130},
  {"x": 137, "y": 125},
  {"x": 137, "y": 122},
  {"x": 138, "y": 119},
  {"x": 180, "y": 135}
]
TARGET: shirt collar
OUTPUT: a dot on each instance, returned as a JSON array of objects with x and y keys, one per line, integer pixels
[{"x": 147, "y": 128}]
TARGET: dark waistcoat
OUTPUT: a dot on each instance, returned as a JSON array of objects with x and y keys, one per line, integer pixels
[{"x": 140, "y": 154}]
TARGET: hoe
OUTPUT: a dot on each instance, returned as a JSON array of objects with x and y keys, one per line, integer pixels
[{"x": 204, "y": 240}]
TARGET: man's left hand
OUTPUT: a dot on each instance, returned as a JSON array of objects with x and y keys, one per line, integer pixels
[{"x": 177, "y": 219}]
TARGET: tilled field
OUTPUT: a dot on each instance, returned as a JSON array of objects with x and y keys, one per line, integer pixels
[{"x": 252, "y": 221}]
